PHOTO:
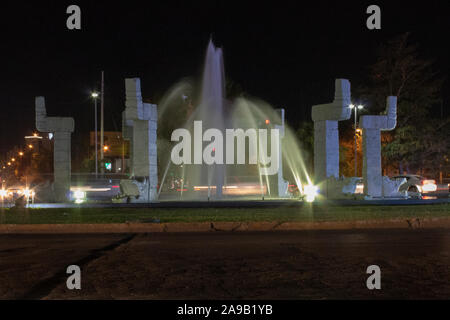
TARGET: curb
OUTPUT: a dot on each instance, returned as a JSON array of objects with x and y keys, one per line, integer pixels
[{"x": 134, "y": 227}]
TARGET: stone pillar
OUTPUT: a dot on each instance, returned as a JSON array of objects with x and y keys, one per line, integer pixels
[
  {"x": 139, "y": 122},
  {"x": 372, "y": 162},
  {"x": 372, "y": 125},
  {"x": 281, "y": 183},
  {"x": 326, "y": 150},
  {"x": 326, "y": 135},
  {"x": 61, "y": 129}
]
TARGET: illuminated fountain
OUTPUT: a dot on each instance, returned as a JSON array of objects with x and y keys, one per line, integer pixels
[{"x": 207, "y": 110}]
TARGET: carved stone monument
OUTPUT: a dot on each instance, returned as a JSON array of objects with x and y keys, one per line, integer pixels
[
  {"x": 371, "y": 126},
  {"x": 326, "y": 135},
  {"x": 61, "y": 129},
  {"x": 139, "y": 125}
]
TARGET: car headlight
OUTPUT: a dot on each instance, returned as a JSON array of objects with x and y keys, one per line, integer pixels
[{"x": 79, "y": 195}]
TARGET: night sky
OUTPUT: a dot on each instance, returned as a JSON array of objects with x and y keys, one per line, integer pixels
[{"x": 287, "y": 53}]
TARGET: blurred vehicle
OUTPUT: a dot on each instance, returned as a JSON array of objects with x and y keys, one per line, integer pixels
[
  {"x": 418, "y": 184},
  {"x": 11, "y": 194},
  {"x": 176, "y": 185},
  {"x": 94, "y": 190},
  {"x": 234, "y": 186},
  {"x": 359, "y": 186}
]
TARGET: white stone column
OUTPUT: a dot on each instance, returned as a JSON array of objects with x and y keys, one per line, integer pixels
[
  {"x": 61, "y": 129},
  {"x": 372, "y": 162},
  {"x": 326, "y": 135},
  {"x": 62, "y": 165},
  {"x": 140, "y": 127},
  {"x": 283, "y": 185},
  {"x": 372, "y": 125},
  {"x": 326, "y": 150}
]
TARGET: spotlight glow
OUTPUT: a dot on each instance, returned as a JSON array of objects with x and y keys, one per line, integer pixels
[{"x": 310, "y": 192}]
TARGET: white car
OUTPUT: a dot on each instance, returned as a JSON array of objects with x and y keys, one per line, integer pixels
[{"x": 416, "y": 183}]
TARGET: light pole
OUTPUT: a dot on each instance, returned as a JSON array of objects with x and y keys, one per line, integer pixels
[
  {"x": 95, "y": 96},
  {"x": 102, "y": 131},
  {"x": 352, "y": 106}
]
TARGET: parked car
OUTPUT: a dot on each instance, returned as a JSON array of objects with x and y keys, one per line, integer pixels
[{"x": 418, "y": 184}]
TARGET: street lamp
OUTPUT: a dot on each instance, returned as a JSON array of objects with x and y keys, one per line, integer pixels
[
  {"x": 356, "y": 108},
  {"x": 94, "y": 95}
]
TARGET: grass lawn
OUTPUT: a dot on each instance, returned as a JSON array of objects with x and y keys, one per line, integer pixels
[{"x": 281, "y": 214}]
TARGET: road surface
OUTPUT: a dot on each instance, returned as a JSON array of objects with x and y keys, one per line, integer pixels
[{"x": 229, "y": 265}]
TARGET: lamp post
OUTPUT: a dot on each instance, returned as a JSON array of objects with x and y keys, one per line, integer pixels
[
  {"x": 352, "y": 106},
  {"x": 102, "y": 131},
  {"x": 95, "y": 96}
]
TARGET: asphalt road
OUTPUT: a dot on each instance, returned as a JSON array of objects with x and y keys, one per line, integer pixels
[{"x": 218, "y": 265}]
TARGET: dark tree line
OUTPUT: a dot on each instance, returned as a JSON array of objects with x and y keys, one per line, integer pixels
[{"x": 421, "y": 141}]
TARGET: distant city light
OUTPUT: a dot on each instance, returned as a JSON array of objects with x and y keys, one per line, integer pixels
[
  {"x": 105, "y": 148},
  {"x": 352, "y": 106},
  {"x": 94, "y": 95},
  {"x": 34, "y": 136},
  {"x": 30, "y": 146},
  {"x": 267, "y": 121},
  {"x": 21, "y": 153}
]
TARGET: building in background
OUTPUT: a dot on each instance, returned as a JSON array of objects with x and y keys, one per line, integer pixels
[{"x": 116, "y": 152}]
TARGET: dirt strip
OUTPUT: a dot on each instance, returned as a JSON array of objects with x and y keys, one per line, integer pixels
[{"x": 221, "y": 226}]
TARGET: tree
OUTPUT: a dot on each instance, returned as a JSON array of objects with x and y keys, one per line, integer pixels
[{"x": 399, "y": 71}]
